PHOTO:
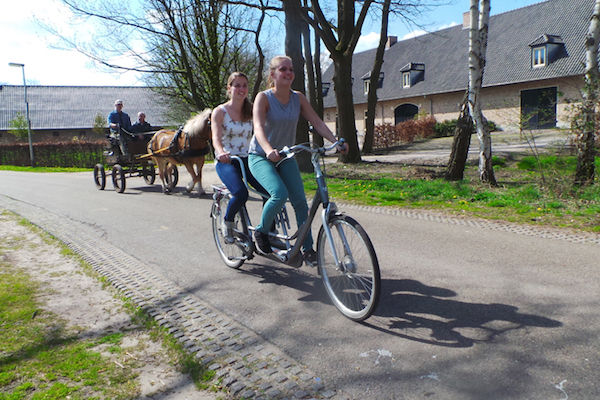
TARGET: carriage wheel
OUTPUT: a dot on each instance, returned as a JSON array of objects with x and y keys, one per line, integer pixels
[
  {"x": 172, "y": 176},
  {"x": 99, "y": 176},
  {"x": 118, "y": 178},
  {"x": 149, "y": 173}
]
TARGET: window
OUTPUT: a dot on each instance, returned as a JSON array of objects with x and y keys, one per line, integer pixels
[
  {"x": 367, "y": 82},
  {"x": 539, "y": 56},
  {"x": 325, "y": 87},
  {"x": 406, "y": 79}
]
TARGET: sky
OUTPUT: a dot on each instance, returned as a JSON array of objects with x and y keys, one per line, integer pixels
[{"x": 24, "y": 41}]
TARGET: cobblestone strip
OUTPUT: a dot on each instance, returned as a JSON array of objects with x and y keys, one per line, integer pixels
[
  {"x": 528, "y": 230},
  {"x": 247, "y": 365}
]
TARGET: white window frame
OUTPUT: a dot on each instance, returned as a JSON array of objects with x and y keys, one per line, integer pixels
[
  {"x": 366, "y": 85},
  {"x": 406, "y": 79},
  {"x": 538, "y": 56}
]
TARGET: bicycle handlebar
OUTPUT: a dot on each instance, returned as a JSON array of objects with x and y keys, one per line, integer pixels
[{"x": 290, "y": 151}]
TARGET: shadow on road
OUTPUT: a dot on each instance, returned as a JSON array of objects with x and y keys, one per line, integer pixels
[{"x": 411, "y": 310}]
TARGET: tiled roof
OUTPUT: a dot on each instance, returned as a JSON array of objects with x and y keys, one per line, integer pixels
[
  {"x": 444, "y": 53},
  {"x": 75, "y": 107}
]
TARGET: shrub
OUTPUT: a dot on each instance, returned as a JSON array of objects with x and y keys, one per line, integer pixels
[
  {"x": 84, "y": 154},
  {"x": 446, "y": 128},
  {"x": 387, "y": 135}
]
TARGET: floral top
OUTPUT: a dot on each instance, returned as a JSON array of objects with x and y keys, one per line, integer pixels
[{"x": 236, "y": 135}]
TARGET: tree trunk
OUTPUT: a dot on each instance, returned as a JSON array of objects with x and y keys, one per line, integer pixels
[
  {"x": 310, "y": 72},
  {"x": 477, "y": 51},
  {"x": 261, "y": 56},
  {"x": 460, "y": 145},
  {"x": 293, "y": 48},
  {"x": 318, "y": 139},
  {"x": 374, "y": 80},
  {"x": 341, "y": 42},
  {"x": 343, "y": 96},
  {"x": 586, "y": 152}
]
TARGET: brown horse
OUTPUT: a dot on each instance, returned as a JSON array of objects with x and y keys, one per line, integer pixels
[{"x": 186, "y": 146}]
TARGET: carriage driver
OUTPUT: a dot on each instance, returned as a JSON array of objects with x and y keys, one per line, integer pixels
[{"x": 117, "y": 120}]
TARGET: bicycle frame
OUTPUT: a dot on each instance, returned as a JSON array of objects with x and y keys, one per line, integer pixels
[{"x": 346, "y": 259}]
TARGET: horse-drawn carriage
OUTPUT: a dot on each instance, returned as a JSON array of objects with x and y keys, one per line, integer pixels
[
  {"x": 123, "y": 165},
  {"x": 164, "y": 149}
]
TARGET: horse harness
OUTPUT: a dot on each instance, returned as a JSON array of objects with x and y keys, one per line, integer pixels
[{"x": 180, "y": 153}]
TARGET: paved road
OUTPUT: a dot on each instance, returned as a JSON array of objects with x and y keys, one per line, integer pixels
[{"x": 469, "y": 309}]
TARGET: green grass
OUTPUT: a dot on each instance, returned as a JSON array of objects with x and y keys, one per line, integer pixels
[
  {"x": 525, "y": 194},
  {"x": 43, "y": 358},
  {"x": 40, "y": 358}
]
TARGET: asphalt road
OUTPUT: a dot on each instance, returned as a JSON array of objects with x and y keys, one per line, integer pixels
[{"x": 469, "y": 310}]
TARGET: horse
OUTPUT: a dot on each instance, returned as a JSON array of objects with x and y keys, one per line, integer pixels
[{"x": 188, "y": 146}]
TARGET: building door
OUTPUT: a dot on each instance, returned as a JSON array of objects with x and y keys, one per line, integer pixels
[
  {"x": 538, "y": 108},
  {"x": 405, "y": 112}
]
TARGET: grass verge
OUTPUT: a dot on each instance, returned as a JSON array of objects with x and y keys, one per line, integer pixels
[
  {"x": 530, "y": 190},
  {"x": 42, "y": 357}
]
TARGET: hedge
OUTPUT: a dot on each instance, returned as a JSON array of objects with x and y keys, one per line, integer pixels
[{"x": 66, "y": 154}]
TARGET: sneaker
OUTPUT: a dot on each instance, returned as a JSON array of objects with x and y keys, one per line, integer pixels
[
  {"x": 310, "y": 257},
  {"x": 262, "y": 241},
  {"x": 228, "y": 231}
]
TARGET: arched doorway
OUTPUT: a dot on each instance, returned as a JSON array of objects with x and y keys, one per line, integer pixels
[{"x": 405, "y": 112}]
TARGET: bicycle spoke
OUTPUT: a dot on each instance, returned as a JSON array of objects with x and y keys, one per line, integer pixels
[{"x": 354, "y": 285}]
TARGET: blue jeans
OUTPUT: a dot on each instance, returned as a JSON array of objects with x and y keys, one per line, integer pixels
[
  {"x": 231, "y": 176},
  {"x": 281, "y": 182}
]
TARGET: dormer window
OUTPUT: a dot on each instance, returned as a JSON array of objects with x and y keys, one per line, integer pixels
[
  {"x": 367, "y": 81},
  {"x": 406, "y": 79},
  {"x": 539, "y": 56},
  {"x": 546, "y": 49},
  {"x": 412, "y": 73},
  {"x": 325, "y": 88}
]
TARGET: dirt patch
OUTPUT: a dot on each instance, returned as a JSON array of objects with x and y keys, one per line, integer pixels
[
  {"x": 373, "y": 170},
  {"x": 91, "y": 310}
]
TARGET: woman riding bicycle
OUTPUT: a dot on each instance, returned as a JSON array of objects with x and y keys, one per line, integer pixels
[
  {"x": 231, "y": 125},
  {"x": 275, "y": 116}
]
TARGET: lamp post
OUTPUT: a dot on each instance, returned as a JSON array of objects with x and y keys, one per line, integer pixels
[{"x": 22, "y": 66}]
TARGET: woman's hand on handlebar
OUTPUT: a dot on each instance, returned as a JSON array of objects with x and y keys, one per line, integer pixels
[
  {"x": 342, "y": 147},
  {"x": 224, "y": 158},
  {"x": 274, "y": 156}
]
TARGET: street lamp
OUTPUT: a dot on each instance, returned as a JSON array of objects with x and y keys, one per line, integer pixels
[{"x": 22, "y": 66}]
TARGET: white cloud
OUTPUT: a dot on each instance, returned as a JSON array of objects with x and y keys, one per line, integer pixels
[
  {"x": 24, "y": 41},
  {"x": 368, "y": 41}
]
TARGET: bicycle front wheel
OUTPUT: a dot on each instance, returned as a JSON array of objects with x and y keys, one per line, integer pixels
[
  {"x": 354, "y": 284},
  {"x": 231, "y": 253}
]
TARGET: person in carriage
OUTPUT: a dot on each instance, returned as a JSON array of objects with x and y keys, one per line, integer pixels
[
  {"x": 141, "y": 125},
  {"x": 118, "y": 120}
]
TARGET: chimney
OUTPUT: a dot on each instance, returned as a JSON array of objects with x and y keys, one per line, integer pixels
[
  {"x": 466, "y": 20},
  {"x": 391, "y": 40}
]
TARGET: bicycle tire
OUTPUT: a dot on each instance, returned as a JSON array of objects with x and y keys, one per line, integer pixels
[
  {"x": 231, "y": 254},
  {"x": 355, "y": 292}
]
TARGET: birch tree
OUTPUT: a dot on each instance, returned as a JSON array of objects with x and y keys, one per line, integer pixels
[
  {"x": 478, "y": 35},
  {"x": 471, "y": 117},
  {"x": 586, "y": 153}
]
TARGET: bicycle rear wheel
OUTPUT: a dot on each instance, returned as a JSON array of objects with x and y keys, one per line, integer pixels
[
  {"x": 353, "y": 286},
  {"x": 231, "y": 253}
]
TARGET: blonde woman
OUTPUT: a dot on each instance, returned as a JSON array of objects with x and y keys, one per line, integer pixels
[{"x": 275, "y": 116}]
